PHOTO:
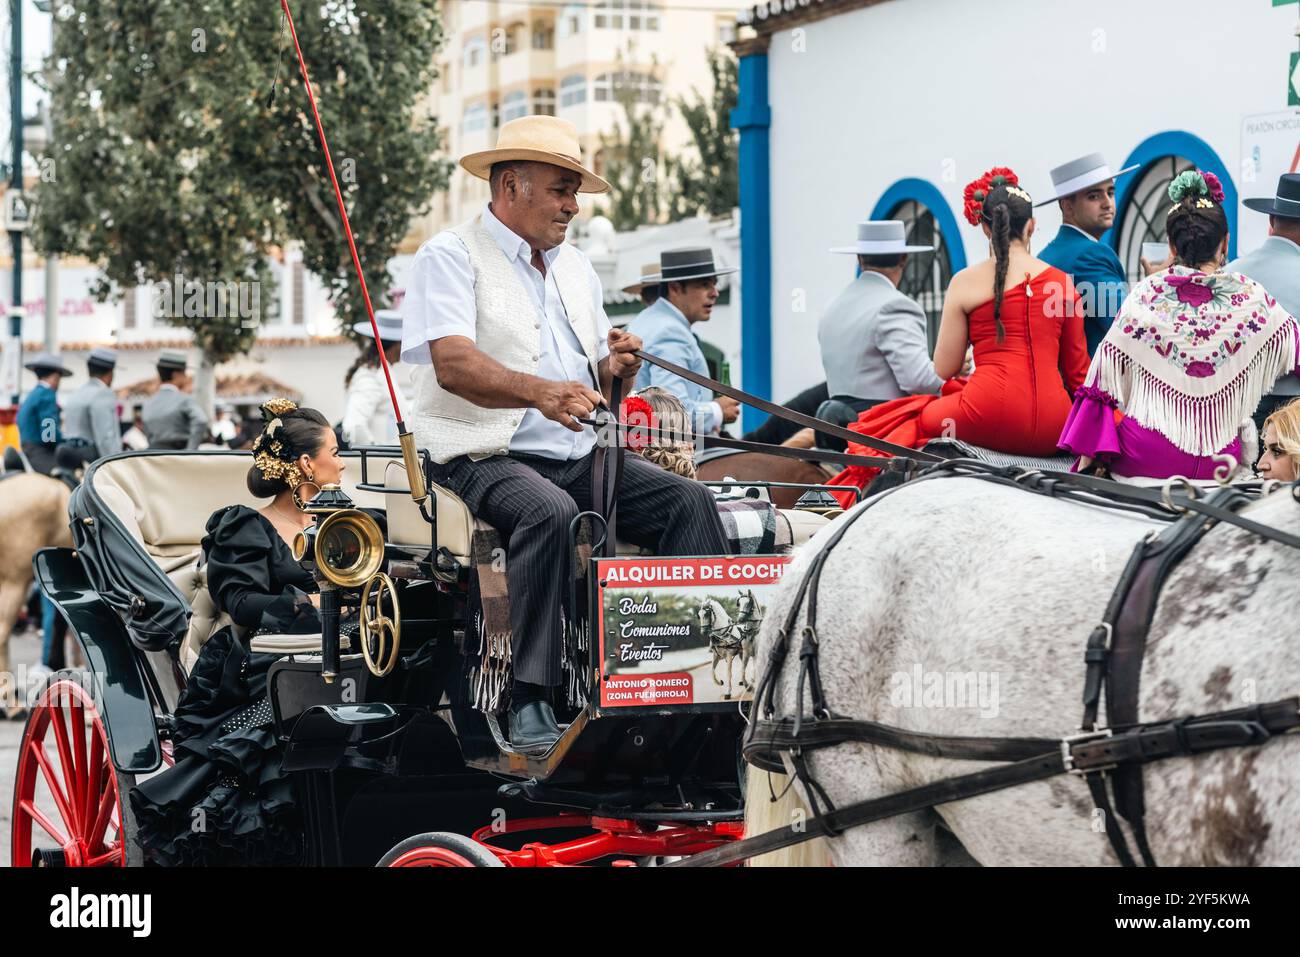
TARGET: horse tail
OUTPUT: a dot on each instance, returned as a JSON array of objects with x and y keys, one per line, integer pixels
[{"x": 762, "y": 814}]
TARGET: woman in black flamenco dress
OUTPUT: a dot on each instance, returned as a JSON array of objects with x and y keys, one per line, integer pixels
[{"x": 226, "y": 801}]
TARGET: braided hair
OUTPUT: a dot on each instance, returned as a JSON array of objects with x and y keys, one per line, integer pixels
[
  {"x": 288, "y": 433},
  {"x": 997, "y": 201},
  {"x": 1196, "y": 222},
  {"x": 1007, "y": 215}
]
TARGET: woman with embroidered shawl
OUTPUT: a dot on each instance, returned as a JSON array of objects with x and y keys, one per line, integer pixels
[
  {"x": 226, "y": 801},
  {"x": 1187, "y": 359}
]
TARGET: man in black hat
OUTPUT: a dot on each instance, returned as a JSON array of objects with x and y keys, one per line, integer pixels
[
  {"x": 1276, "y": 266},
  {"x": 40, "y": 425},
  {"x": 91, "y": 415},
  {"x": 688, "y": 289},
  {"x": 172, "y": 419}
]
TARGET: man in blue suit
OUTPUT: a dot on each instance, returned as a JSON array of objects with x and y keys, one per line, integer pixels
[
  {"x": 1276, "y": 266},
  {"x": 40, "y": 427},
  {"x": 688, "y": 288},
  {"x": 1085, "y": 190}
]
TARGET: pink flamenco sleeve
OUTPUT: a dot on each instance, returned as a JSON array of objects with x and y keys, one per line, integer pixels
[{"x": 1090, "y": 428}]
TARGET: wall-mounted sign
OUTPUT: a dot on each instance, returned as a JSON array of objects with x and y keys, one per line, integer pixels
[
  {"x": 18, "y": 211},
  {"x": 1270, "y": 146}
]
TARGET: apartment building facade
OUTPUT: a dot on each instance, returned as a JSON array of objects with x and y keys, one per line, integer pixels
[{"x": 503, "y": 60}]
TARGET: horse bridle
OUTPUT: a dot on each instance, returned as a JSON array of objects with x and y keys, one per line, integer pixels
[{"x": 1105, "y": 757}]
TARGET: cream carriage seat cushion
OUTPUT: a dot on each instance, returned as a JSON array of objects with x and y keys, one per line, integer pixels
[{"x": 406, "y": 526}]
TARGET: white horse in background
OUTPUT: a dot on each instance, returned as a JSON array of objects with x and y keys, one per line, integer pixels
[
  {"x": 749, "y": 618},
  {"x": 1001, "y": 587},
  {"x": 724, "y": 643}
]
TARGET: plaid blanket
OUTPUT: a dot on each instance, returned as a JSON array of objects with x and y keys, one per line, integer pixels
[{"x": 752, "y": 527}]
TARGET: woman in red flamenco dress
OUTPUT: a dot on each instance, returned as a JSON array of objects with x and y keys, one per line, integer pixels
[{"x": 1029, "y": 347}]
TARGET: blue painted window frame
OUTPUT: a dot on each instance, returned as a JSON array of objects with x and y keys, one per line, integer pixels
[
  {"x": 926, "y": 193},
  {"x": 1174, "y": 143}
]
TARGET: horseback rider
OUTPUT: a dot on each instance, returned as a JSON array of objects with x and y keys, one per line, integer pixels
[
  {"x": 40, "y": 426},
  {"x": 504, "y": 325},
  {"x": 91, "y": 413},
  {"x": 688, "y": 288}
]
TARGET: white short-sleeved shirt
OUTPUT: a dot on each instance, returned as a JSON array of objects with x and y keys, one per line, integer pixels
[{"x": 439, "y": 302}]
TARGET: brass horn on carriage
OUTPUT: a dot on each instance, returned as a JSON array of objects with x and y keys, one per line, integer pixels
[{"x": 346, "y": 547}]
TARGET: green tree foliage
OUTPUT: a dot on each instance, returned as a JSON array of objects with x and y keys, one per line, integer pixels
[
  {"x": 170, "y": 156},
  {"x": 709, "y": 181},
  {"x": 635, "y": 166}
]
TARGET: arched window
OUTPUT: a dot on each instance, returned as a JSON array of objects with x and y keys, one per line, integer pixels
[
  {"x": 926, "y": 276},
  {"x": 544, "y": 102},
  {"x": 543, "y": 35},
  {"x": 1142, "y": 197},
  {"x": 475, "y": 119},
  {"x": 928, "y": 221},
  {"x": 645, "y": 88},
  {"x": 571, "y": 20},
  {"x": 573, "y": 90},
  {"x": 1143, "y": 217},
  {"x": 514, "y": 105}
]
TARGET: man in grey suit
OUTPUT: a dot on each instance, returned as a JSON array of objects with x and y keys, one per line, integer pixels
[
  {"x": 90, "y": 416},
  {"x": 1276, "y": 266},
  {"x": 873, "y": 337},
  {"x": 171, "y": 417}
]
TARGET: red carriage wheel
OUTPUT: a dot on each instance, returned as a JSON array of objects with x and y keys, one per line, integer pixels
[
  {"x": 439, "y": 849},
  {"x": 69, "y": 807}
]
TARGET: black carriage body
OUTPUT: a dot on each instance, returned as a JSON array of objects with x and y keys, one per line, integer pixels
[
  {"x": 380, "y": 758},
  {"x": 377, "y": 776}
]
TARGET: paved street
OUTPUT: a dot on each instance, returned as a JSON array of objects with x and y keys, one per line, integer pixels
[{"x": 25, "y": 651}]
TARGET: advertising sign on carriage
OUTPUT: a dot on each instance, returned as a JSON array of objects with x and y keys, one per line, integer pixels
[{"x": 681, "y": 631}]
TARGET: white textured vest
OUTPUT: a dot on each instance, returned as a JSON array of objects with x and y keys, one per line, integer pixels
[{"x": 507, "y": 327}]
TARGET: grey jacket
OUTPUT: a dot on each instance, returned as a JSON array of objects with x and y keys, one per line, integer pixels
[
  {"x": 1276, "y": 266},
  {"x": 91, "y": 414},
  {"x": 873, "y": 342},
  {"x": 173, "y": 420}
]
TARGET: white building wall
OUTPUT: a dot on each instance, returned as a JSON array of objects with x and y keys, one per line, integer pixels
[{"x": 944, "y": 89}]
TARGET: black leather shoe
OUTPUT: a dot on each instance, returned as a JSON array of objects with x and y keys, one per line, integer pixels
[{"x": 533, "y": 729}]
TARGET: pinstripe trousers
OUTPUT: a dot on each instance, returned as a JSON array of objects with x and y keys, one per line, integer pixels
[{"x": 531, "y": 501}]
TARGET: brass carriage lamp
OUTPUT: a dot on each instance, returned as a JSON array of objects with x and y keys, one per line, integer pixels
[{"x": 343, "y": 549}]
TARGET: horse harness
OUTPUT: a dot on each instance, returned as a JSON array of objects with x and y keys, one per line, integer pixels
[{"x": 1108, "y": 758}]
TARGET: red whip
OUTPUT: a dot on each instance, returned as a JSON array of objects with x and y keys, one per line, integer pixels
[
  {"x": 342, "y": 212},
  {"x": 418, "y": 490}
]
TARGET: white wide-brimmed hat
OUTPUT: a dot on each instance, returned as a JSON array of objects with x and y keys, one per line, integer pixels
[
  {"x": 1077, "y": 175},
  {"x": 389, "y": 322},
  {"x": 881, "y": 237},
  {"x": 537, "y": 139}
]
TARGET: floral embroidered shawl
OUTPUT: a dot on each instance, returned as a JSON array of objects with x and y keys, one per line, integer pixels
[{"x": 1191, "y": 353}]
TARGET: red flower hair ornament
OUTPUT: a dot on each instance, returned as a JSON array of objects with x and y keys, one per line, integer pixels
[
  {"x": 978, "y": 191},
  {"x": 636, "y": 414}
]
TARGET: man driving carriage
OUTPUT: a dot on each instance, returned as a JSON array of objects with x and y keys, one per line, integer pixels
[{"x": 505, "y": 326}]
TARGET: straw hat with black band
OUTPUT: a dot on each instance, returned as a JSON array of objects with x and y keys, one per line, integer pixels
[{"x": 536, "y": 139}]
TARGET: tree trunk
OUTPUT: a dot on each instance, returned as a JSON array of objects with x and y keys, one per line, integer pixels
[{"x": 205, "y": 384}]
